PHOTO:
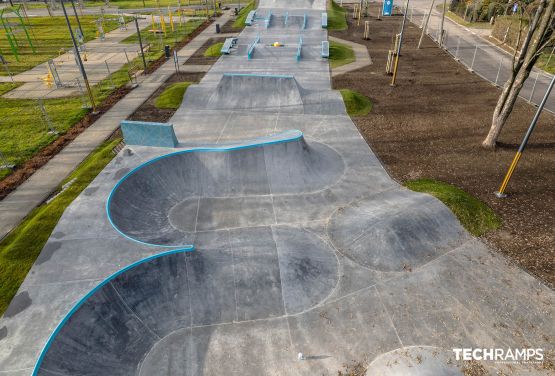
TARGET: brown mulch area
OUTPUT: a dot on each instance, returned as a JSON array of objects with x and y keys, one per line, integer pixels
[
  {"x": 431, "y": 125},
  {"x": 228, "y": 27},
  {"x": 23, "y": 172},
  {"x": 149, "y": 112},
  {"x": 198, "y": 57}
]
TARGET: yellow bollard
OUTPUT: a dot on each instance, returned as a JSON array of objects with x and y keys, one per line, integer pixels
[
  {"x": 153, "y": 24},
  {"x": 171, "y": 19},
  {"x": 163, "y": 23}
]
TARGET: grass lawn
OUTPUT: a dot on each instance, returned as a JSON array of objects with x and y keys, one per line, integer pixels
[
  {"x": 19, "y": 250},
  {"x": 340, "y": 54},
  {"x": 214, "y": 50},
  {"x": 171, "y": 38},
  {"x": 336, "y": 17},
  {"x": 50, "y": 37},
  {"x": 172, "y": 97},
  {"x": 239, "y": 22},
  {"x": 356, "y": 103},
  {"x": 474, "y": 215},
  {"x": 544, "y": 58},
  {"x": 458, "y": 19}
]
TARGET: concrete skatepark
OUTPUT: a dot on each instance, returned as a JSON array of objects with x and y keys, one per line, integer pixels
[{"x": 271, "y": 229}]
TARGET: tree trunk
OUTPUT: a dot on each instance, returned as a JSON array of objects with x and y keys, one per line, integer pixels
[{"x": 540, "y": 30}]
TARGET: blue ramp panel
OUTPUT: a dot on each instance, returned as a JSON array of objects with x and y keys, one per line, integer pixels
[
  {"x": 148, "y": 134},
  {"x": 299, "y": 49},
  {"x": 305, "y": 20},
  {"x": 252, "y": 46}
]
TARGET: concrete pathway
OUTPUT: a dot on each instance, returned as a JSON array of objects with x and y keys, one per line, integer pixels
[
  {"x": 361, "y": 55},
  {"x": 15, "y": 207}
]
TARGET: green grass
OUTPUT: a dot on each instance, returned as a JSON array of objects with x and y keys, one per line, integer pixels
[
  {"x": 214, "y": 50},
  {"x": 474, "y": 215},
  {"x": 340, "y": 54},
  {"x": 50, "y": 36},
  {"x": 171, "y": 38},
  {"x": 544, "y": 58},
  {"x": 239, "y": 22},
  {"x": 356, "y": 103},
  {"x": 19, "y": 250},
  {"x": 172, "y": 97},
  {"x": 337, "y": 17}
]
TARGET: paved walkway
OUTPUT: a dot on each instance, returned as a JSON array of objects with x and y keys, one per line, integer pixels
[
  {"x": 18, "y": 204},
  {"x": 361, "y": 55}
]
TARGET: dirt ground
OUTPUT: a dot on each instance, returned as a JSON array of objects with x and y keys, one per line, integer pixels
[
  {"x": 198, "y": 57},
  {"x": 148, "y": 112},
  {"x": 431, "y": 125}
]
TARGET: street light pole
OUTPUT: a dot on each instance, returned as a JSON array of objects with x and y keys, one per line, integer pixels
[
  {"x": 79, "y": 61},
  {"x": 140, "y": 42},
  {"x": 516, "y": 159},
  {"x": 442, "y": 22}
]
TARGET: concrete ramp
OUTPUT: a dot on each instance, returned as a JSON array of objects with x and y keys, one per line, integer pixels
[
  {"x": 293, "y": 4},
  {"x": 166, "y": 200},
  {"x": 257, "y": 92}
]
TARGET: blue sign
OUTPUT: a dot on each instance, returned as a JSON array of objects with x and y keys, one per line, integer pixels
[
  {"x": 515, "y": 7},
  {"x": 387, "y": 7}
]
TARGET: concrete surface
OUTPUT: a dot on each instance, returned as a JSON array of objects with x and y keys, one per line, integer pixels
[
  {"x": 362, "y": 57},
  {"x": 19, "y": 203},
  {"x": 353, "y": 268}
]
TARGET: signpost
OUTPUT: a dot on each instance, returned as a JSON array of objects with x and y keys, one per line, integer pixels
[{"x": 387, "y": 7}]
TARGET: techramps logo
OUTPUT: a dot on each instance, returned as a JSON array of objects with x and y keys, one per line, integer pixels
[{"x": 502, "y": 356}]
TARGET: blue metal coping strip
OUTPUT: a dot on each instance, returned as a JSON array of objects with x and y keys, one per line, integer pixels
[
  {"x": 304, "y": 21},
  {"x": 286, "y": 18},
  {"x": 91, "y": 293},
  {"x": 252, "y": 46},
  {"x": 268, "y": 19},
  {"x": 295, "y": 136},
  {"x": 299, "y": 48}
]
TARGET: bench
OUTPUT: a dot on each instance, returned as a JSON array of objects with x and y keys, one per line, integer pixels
[
  {"x": 228, "y": 44},
  {"x": 325, "y": 49},
  {"x": 304, "y": 21},
  {"x": 324, "y": 20},
  {"x": 299, "y": 49},
  {"x": 268, "y": 19},
  {"x": 252, "y": 46},
  {"x": 250, "y": 18}
]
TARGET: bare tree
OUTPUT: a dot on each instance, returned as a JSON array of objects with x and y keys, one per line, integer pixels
[{"x": 537, "y": 38}]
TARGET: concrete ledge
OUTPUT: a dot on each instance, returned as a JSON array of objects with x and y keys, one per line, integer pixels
[{"x": 148, "y": 134}]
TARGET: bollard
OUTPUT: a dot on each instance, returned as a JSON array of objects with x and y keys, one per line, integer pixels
[
  {"x": 366, "y": 30},
  {"x": 217, "y": 28},
  {"x": 167, "y": 51}
]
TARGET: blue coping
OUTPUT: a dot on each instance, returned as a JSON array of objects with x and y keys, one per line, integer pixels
[
  {"x": 286, "y": 18},
  {"x": 258, "y": 75},
  {"x": 324, "y": 20},
  {"x": 252, "y": 46},
  {"x": 148, "y": 133},
  {"x": 296, "y": 134},
  {"x": 325, "y": 49},
  {"x": 91, "y": 293},
  {"x": 304, "y": 21},
  {"x": 299, "y": 49},
  {"x": 268, "y": 19}
]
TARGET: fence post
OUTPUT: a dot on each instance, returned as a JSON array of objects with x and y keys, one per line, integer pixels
[
  {"x": 82, "y": 92},
  {"x": 109, "y": 74},
  {"x": 46, "y": 118},
  {"x": 498, "y": 71},
  {"x": 473, "y": 59},
  {"x": 457, "y": 51},
  {"x": 534, "y": 88}
]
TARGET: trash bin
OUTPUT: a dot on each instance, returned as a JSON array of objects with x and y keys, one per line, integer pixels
[
  {"x": 167, "y": 51},
  {"x": 217, "y": 28}
]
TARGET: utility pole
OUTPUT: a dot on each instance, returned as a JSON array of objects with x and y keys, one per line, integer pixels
[
  {"x": 516, "y": 159},
  {"x": 77, "y": 18},
  {"x": 442, "y": 21},
  {"x": 140, "y": 42},
  {"x": 426, "y": 24},
  {"x": 399, "y": 46},
  {"x": 79, "y": 61}
]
